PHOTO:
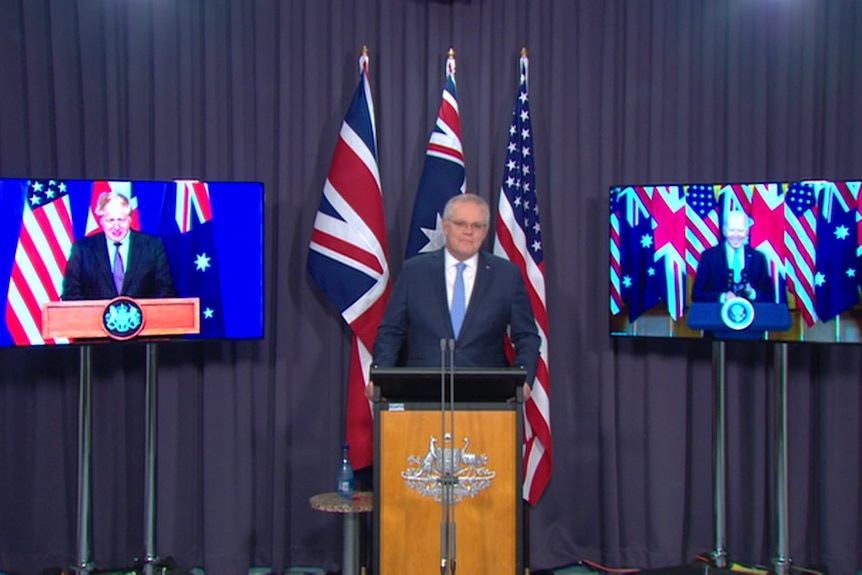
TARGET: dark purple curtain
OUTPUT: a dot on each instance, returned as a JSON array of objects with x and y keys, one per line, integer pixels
[{"x": 621, "y": 92}]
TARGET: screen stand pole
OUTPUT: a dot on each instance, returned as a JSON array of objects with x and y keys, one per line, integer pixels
[
  {"x": 719, "y": 553},
  {"x": 782, "y": 560},
  {"x": 85, "y": 381},
  {"x": 150, "y": 462}
]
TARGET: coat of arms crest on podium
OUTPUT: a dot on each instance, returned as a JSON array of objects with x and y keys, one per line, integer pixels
[{"x": 469, "y": 471}]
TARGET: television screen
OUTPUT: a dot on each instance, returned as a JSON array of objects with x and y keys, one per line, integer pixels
[
  {"x": 95, "y": 260},
  {"x": 764, "y": 260}
]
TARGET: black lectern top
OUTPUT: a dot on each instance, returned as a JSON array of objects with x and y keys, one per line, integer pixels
[{"x": 423, "y": 384}]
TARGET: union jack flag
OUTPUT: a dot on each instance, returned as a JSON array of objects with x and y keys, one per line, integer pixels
[
  {"x": 348, "y": 255},
  {"x": 669, "y": 216},
  {"x": 443, "y": 174},
  {"x": 519, "y": 239},
  {"x": 44, "y": 243},
  {"x": 701, "y": 232},
  {"x": 767, "y": 231},
  {"x": 800, "y": 240}
]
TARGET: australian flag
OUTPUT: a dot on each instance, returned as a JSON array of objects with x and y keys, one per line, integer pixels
[
  {"x": 186, "y": 230},
  {"x": 835, "y": 282},
  {"x": 642, "y": 284},
  {"x": 443, "y": 174}
]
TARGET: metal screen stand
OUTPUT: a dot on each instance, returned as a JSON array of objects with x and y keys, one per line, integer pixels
[
  {"x": 83, "y": 562},
  {"x": 150, "y": 557},
  {"x": 782, "y": 559},
  {"x": 719, "y": 378}
]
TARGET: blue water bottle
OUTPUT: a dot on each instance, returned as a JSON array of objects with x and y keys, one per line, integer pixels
[{"x": 345, "y": 475}]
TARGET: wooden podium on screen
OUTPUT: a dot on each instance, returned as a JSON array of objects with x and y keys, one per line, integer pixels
[
  {"x": 84, "y": 319},
  {"x": 483, "y": 454}
]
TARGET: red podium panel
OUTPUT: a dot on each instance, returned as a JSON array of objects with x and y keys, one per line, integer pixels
[{"x": 83, "y": 319}]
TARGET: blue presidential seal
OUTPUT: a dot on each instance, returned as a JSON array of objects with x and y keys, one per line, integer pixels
[
  {"x": 737, "y": 313},
  {"x": 122, "y": 318}
]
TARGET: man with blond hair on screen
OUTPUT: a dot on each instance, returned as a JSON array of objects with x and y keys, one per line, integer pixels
[{"x": 118, "y": 260}]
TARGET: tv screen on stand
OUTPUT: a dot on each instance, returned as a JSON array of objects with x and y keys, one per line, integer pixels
[
  {"x": 85, "y": 261},
  {"x": 774, "y": 260}
]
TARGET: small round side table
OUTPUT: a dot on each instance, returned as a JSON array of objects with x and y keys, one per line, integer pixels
[{"x": 362, "y": 502}]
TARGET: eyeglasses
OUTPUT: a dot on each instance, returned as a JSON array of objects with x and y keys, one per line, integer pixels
[{"x": 462, "y": 225}]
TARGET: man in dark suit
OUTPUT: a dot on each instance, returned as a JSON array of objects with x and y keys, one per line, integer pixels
[
  {"x": 733, "y": 268},
  {"x": 117, "y": 261},
  {"x": 429, "y": 299}
]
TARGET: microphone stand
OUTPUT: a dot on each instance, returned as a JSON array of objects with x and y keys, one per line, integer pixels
[{"x": 447, "y": 479}]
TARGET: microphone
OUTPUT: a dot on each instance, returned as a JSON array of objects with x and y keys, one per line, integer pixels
[{"x": 453, "y": 479}]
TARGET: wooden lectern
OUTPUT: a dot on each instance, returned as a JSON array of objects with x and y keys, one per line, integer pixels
[
  {"x": 485, "y": 453},
  {"x": 83, "y": 319}
]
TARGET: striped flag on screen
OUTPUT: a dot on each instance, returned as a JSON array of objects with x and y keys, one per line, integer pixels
[
  {"x": 701, "y": 232},
  {"x": 348, "y": 256},
  {"x": 616, "y": 253},
  {"x": 519, "y": 239},
  {"x": 800, "y": 240},
  {"x": 43, "y": 249},
  {"x": 443, "y": 174}
]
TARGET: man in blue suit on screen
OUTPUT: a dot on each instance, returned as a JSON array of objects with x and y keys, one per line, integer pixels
[
  {"x": 733, "y": 268},
  {"x": 463, "y": 293},
  {"x": 118, "y": 260}
]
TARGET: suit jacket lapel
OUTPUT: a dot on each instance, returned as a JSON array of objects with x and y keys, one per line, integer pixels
[{"x": 103, "y": 259}]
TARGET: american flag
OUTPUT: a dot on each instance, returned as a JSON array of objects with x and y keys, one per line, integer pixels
[
  {"x": 443, "y": 174},
  {"x": 836, "y": 280},
  {"x": 800, "y": 240},
  {"x": 348, "y": 255},
  {"x": 616, "y": 262},
  {"x": 701, "y": 232},
  {"x": 519, "y": 239},
  {"x": 43, "y": 249},
  {"x": 99, "y": 188}
]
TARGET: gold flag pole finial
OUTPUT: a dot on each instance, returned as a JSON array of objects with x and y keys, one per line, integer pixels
[
  {"x": 524, "y": 66},
  {"x": 363, "y": 60},
  {"x": 450, "y": 63}
]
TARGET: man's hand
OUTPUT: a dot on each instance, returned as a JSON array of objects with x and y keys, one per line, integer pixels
[
  {"x": 527, "y": 391},
  {"x": 369, "y": 391}
]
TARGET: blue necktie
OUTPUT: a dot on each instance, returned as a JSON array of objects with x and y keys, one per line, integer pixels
[
  {"x": 119, "y": 273},
  {"x": 459, "y": 299},
  {"x": 737, "y": 265}
]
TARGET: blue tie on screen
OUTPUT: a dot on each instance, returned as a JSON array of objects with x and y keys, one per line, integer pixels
[
  {"x": 737, "y": 265},
  {"x": 119, "y": 273},
  {"x": 459, "y": 299}
]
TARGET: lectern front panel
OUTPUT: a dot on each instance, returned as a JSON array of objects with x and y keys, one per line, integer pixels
[{"x": 485, "y": 460}]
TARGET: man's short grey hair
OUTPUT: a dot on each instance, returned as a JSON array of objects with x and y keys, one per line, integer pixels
[{"x": 470, "y": 199}]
